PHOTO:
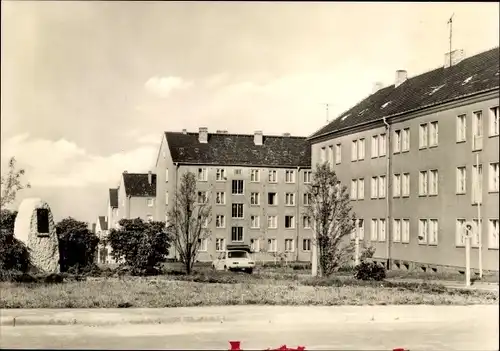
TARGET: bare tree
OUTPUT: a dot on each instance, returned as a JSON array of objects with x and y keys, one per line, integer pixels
[
  {"x": 189, "y": 220},
  {"x": 333, "y": 221},
  {"x": 11, "y": 184}
]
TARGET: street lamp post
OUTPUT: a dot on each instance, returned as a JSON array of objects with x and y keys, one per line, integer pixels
[{"x": 314, "y": 263}]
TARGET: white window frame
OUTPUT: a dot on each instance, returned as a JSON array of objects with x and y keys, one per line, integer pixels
[
  {"x": 423, "y": 183},
  {"x": 220, "y": 198},
  {"x": 374, "y": 146},
  {"x": 237, "y": 211},
  {"x": 382, "y": 149},
  {"x": 338, "y": 154},
  {"x": 396, "y": 223},
  {"x": 396, "y": 146},
  {"x": 477, "y": 130},
  {"x": 289, "y": 176},
  {"x": 330, "y": 155},
  {"x": 306, "y": 222},
  {"x": 382, "y": 230},
  {"x": 272, "y": 245},
  {"x": 493, "y": 227},
  {"x": 220, "y": 244},
  {"x": 203, "y": 245},
  {"x": 374, "y": 229},
  {"x": 360, "y": 227},
  {"x": 474, "y": 242},
  {"x": 307, "y": 177},
  {"x": 166, "y": 197},
  {"x": 477, "y": 184},
  {"x": 361, "y": 149},
  {"x": 354, "y": 150},
  {"x": 423, "y": 230},
  {"x": 405, "y": 140},
  {"x": 322, "y": 155},
  {"x": 272, "y": 222},
  {"x": 289, "y": 199},
  {"x": 433, "y": 182},
  {"x": 405, "y": 231},
  {"x": 239, "y": 190},
  {"x": 275, "y": 198},
  {"x": 255, "y": 244},
  {"x": 220, "y": 175},
  {"x": 423, "y": 136},
  {"x": 433, "y": 134},
  {"x": 235, "y": 230},
  {"x": 273, "y": 176},
  {"x": 202, "y": 174},
  {"x": 396, "y": 186},
  {"x": 255, "y": 175},
  {"x": 306, "y": 245},
  {"x": 433, "y": 231},
  {"x": 166, "y": 175},
  {"x": 461, "y": 180},
  {"x": 405, "y": 184},
  {"x": 291, "y": 220},
  {"x": 361, "y": 189},
  {"x": 255, "y": 199},
  {"x": 254, "y": 221},
  {"x": 461, "y": 128},
  {"x": 289, "y": 245},
  {"x": 220, "y": 221},
  {"x": 354, "y": 189},
  {"x": 151, "y": 202},
  {"x": 202, "y": 197},
  {"x": 493, "y": 177},
  {"x": 307, "y": 199},
  {"x": 374, "y": 188},
  {"x": 459, "y": 232},
  {"x": 494, "y": 121},
  {"x": 382, "y": 187}
]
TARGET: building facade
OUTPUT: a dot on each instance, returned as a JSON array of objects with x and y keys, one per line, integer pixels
[
  {"x": 255, "y": 184},
  {"x": 418, "y": 157},
  {"x": 137, "y": 196}
]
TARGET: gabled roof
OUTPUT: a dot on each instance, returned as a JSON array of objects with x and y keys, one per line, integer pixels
[
  {"x": 476, "y": 74},
  {"x": 239, "y": 150},
  {"x": 103, "y": 223},
  {"x": 137, "y": 184},
  {"x": 113, "y": 198}
]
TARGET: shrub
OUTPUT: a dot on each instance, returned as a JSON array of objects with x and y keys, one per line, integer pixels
[
  {"x": 14, "y": 255},
  {"x": 369, "y": 271}
]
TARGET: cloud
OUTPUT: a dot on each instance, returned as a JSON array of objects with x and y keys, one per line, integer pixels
[
  {"x": 63, "y": 163},
  {"x": 163, "y": 86}
]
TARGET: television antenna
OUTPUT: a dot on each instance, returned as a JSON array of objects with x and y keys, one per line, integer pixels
[
  {"x": 450, "y": 22},
  {"x": 327, "y": 109}
]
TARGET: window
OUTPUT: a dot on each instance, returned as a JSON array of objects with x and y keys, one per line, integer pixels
[
  {"x": 220, "y": 221},
  {"x": 422, "y": 231},
  {"x": 322, "y": 155},
  {"x": 405, "y": 140},
  {"x": 220, "y": 244},
  {"x": 237, "y": 234},
  {"x": 381, "y": 187},
  {"x": 151, "y": 202},
  {"x": 422, "y": 138},
  {"x": 254, "y": 221},
  {"x": 477, "y": 184},
  {"x": 374, "y": 186},
  {"x": 272, "y": 245},
  {"x": 166, "y": 197},
  {"x": 475, "y": 238},
  {"x": 237, "y": 171},
  {"x": 202, "y": 174},
  {"x": 42, "y": 221},
  {"x": 434, "y": 134},
  {"x": 433, "y": 231},
  {"x": 493, "y": 231},
  {"x": 149, "y": 218},
  {"x": 374, "y": 146},
  {"x": 461, "y": 128},
  {"x": 272, "y": 199},
  {"x": 397, "y": 230},
  {"x": 254, "y": 199},
  {"x": 405, "y": 229},
  {"x": 307, "y": 198},
  {"x": 166, "y": 220},
  {"x": 273, "y": 176},
  {"x": 477, "y": 130},
  {"x": 397, "y": 141},
  {"x": 374, "y": 230},
  {"x": 166, "y": 175},
  {"x": 306, "y": 244},
  {"x": 237, "y": 210},
  {"x": 330, "y": 155},
  {"x": 397, "y": 185},
  {"x": 289, "y": 222},
  {"x": 361, "y": 229},
  {"x": 354, "y": 150},
  {"x": 272, "y": 222},
  {"x": 461, "y": 182},
  {"x": 354, "y": 189},
  {"x": 220, "y": 198},
  {"x": 493, "y": 177},
  {"x": 289, "y": 176},
  {"x": 237, "y": 187},
  {"x": 405, "y": 184},
  {"x": 220, "y": 174},
  {"x": 361, "y": 189},
  {"x": 434, "y": 182},
  {"x": 307, "y": 177},
  {"x": 289, "y": 245},
  {"x": 338, "y": 153},
  {"x": 381, "y": 228},
  {"x": 459, "y": 232},
  {"x": 202, "y": 244},
  {"x": 361, "y": 149},
  {"x": 382, "y": 148},
  {"x": 494, "y": 122},
  {"x": 255, "y": 175},
  {"x": 202, "y": 197},
  {"x": 423, "y": 185},
  {"x": 255, "y": 245},
  {"x": 306, "y": 220}
]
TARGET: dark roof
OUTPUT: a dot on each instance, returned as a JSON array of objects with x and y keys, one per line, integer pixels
[
  {"x": 103, "y": 223},
  {"x": 113, "y": 198},
  {"x": 472, "y": 75},
  {"x": 239, "y": 150},
  {"x": 137, "y": 184}
]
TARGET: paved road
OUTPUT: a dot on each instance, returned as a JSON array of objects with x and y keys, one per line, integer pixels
[{"x": 474, "y": 330}]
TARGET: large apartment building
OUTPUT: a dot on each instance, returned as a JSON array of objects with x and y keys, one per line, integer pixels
[
  {"x": 419, "y": 157},
  {"x": 256, "y": 185}
]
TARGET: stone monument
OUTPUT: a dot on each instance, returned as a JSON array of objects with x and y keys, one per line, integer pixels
[{"x": 35, "y": 227}]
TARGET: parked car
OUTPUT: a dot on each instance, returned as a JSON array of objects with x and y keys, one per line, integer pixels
[{"x": 235, "y": 258}]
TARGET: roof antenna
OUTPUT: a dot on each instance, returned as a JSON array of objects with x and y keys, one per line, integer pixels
[
  {"x": 450, "y": 22},
  {"x": 327, "y": 105}
]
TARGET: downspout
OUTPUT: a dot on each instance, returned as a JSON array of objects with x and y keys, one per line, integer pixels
[
  {"x": 388, "y": 194},
  {"x": 298, "y": 216},
  {"x": 176, "y": 164}
]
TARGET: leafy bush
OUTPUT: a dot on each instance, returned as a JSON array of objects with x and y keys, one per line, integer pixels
[
  {"x": 77, "y": 246},
  {"x": 142, "y": 245},
  {"x": 370, "y": 271},
  {"x": 14, "y": 255}
]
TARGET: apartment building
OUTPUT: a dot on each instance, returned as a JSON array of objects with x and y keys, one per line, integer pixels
[
  {"x": 112, "y": 208},
  {"x": 420, "y": 157},
  {"x": 102, "y": 231},
  {"x": 256, "y": 185},
  {"x": 136, "y": 196}
]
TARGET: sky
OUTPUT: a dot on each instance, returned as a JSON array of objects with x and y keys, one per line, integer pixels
[{"x": 87, "y": 88}]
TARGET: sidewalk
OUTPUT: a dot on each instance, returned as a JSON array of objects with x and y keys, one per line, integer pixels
[
  {"x": 246, "y": 314},
  {"x": 483, "y": 286}
]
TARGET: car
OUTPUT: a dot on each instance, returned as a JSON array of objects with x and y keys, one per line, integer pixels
[{"x": 235, "y": 258}]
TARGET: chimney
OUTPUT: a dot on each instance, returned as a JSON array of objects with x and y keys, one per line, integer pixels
[
  {"x": 401, "y": 77},
  {"x": 257, "y": 137},
  {"x": 203, "y": 135},
  {"x": 456, "y": 56},
  {"x": 150, "y": 177},
  {"x": 376, "y": 87},
  {"x": 286, "y": 134},
  {"x": 184, "y": 131},
  {"x": 125, "y": 172}
]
